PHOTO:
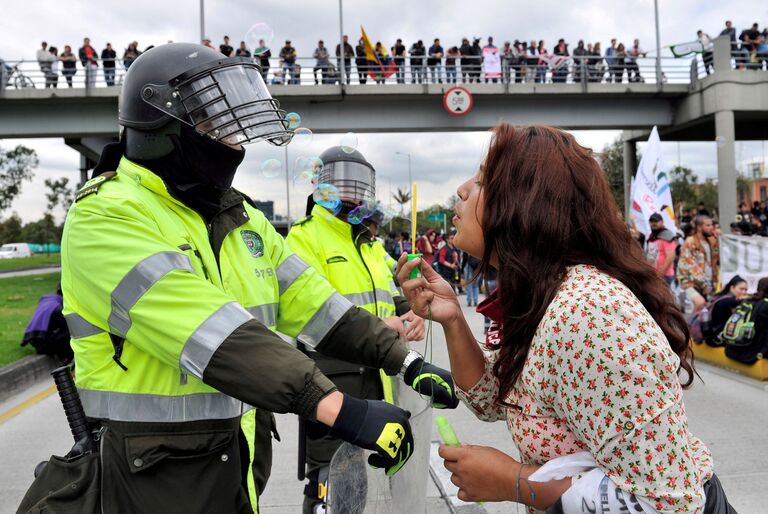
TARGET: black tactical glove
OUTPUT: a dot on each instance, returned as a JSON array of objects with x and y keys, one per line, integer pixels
[
  {"x": 378, "y": 426},
  {"x": 432, "y": 381}
]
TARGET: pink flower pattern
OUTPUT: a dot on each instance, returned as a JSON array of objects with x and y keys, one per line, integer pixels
[{"x": 600, "y": 376}]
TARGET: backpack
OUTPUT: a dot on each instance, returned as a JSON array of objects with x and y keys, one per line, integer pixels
[{"x": 739, "y": 330}]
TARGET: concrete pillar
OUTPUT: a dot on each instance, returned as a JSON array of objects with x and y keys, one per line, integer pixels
[
  {"x": 725, "y": 131},
  {"x": 722, "y": 54},
  {"x": 85, "y": 165},
  {"x": 630, "y": 165}
]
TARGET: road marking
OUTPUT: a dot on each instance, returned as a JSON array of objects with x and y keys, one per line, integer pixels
[{"x": 42, "y": 395}]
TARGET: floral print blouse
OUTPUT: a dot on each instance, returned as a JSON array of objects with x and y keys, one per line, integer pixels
[{"x": 600, "y": 376}]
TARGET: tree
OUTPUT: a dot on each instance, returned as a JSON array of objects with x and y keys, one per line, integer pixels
[
  {"x": 683, "y": 186},
  {"x": 59, "y": 193},
  {"x": 10, "y": 229},
  {"x": 611, "y": 160},
  {"x": 42, "y": 231},
  {"x": 402, "y": 197},
  {"x": 16, "y": 166}
]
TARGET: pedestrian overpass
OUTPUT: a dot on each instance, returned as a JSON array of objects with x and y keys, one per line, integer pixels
[{"x": 724, "y": 106}]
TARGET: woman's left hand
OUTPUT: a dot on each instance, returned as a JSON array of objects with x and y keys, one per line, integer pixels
[{"x": 481, "y": 473}]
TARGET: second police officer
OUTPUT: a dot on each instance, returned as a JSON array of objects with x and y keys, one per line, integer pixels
[{"x": 339, "y": 241}]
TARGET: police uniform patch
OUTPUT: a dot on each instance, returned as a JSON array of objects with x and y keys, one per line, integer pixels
[
  {"x": 253, "y": 241},
  {"x": 93, "y": 185}
]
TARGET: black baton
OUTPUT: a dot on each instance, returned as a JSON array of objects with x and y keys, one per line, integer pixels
[{"x": 73, "y": 409}]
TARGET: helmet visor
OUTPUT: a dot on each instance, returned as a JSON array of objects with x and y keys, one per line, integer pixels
[
  {"x": 226, "y": 100},
  {"x": 356, "y": 182}
]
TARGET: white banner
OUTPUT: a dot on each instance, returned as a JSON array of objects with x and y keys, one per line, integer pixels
[
  {"x": 744, "y": 256},
  {"x": 651, "y": 191},
  {"x": 491, "y": 63}
]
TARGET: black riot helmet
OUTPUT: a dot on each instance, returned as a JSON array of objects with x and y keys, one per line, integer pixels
[
  {"x": 221, "y": 97},
  {"x": 350, "y": 172}
]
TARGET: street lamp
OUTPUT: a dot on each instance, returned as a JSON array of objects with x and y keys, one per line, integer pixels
[{"x": 410, "y": 179}]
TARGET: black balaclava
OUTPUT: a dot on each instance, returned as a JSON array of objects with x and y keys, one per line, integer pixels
[{"x": 199, "y": 170}]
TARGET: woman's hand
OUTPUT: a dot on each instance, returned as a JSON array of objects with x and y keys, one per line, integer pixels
[
  {"x": 481, "y": 473},
  {"x": 429, "y": 290}
]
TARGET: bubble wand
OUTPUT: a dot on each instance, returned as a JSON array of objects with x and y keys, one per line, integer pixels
[{"x": 413, "y": 255}]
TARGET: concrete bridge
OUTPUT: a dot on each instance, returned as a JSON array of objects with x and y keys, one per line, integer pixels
[{"x": 728, "y": 104}]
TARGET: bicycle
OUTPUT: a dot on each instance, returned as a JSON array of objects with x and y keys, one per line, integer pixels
[{"x": 20, "y": 81}]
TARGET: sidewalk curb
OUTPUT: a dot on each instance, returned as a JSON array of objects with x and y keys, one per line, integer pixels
[
  {"x": 24, "y": 373},
  {"x": 29, "y": 268}
]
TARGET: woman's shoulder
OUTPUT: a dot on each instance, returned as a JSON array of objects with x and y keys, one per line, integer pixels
[{"x": 588, "y": 293}]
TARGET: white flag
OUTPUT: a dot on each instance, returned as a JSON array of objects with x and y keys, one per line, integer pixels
[{"x": 651, "y": 191}]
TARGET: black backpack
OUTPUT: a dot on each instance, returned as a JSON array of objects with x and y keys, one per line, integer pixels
[{"x": 739, "y": 330}]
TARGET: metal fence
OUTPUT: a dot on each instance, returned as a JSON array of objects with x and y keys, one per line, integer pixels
[{"x": 307, "y": 71}]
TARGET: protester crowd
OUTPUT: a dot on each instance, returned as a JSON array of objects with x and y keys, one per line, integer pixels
[
  {"x": 515, "y": 61},
  {"x": 689, "y": 260}
]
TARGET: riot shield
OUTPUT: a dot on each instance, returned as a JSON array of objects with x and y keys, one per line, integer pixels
[{"x": 355, "y": 487}]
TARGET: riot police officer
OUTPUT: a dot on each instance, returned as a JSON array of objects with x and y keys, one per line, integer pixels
[{"x": 174, "y": 285}]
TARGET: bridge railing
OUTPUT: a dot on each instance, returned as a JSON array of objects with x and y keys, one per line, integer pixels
[{"x": 306, "y": 71}]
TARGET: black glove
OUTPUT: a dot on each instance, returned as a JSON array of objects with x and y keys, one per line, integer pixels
[
  {"x": 378, "y": 426},
  {"x": 434, "y": 382}
]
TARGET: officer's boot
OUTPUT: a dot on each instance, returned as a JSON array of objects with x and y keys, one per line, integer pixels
[{"x": 315, "y": 492}]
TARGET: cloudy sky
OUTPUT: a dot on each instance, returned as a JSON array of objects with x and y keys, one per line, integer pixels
[{"x": 440, "y": 161}]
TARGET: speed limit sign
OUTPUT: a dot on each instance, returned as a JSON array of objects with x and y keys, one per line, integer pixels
[{"x": 458, "y": 101}]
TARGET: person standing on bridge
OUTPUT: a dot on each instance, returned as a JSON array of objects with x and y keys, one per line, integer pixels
[
  {"x": 343, "y": 248},
  {"x": 346, "y": 61},
  {"x": 90, "y": 61},
  {"x": 174, "y": 329},
  {"x": 44, "y": 59},
  {"x": 108, "y": 58}
]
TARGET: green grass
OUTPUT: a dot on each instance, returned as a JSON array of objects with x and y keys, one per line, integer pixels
[
  {"x": 36, "y": 261},
  {"x": 18, "y": 298}
]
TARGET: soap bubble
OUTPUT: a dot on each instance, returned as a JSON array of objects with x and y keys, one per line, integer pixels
[
  {"x": 327, "y": 195},
  {"x": 302, "y": 136},
  {"x": 348, "y": 142},
  {"x": 271, "y": 168},
  {"x": 359, "y": 213},
  {"x": 293, "y": 120},
  {"x": 380, "y": 213},
  {"x": 259, "y": 37},
  {"x": 306, "y": 169}
]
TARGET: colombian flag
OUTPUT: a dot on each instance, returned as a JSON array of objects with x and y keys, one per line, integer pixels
[{"x": 379, "y": 66}]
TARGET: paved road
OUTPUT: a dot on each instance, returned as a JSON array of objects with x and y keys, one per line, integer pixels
[
  {"x": 728, "y": 412},
  {"x": 35, "y": 271}
]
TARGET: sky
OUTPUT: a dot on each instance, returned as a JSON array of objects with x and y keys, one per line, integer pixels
[{"x": 440, "y": 161}]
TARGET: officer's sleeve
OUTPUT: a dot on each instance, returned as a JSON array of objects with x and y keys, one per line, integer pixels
[
  {"x": 314, "y": 313},
  {"x": 129, "y": 280}
]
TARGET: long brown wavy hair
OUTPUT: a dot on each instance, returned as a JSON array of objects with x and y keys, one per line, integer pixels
[{"x": 548, "y": 206}]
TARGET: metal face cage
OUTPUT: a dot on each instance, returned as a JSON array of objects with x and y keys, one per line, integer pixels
[
  {"x": 225, "y": 100},
  {"x": 356, "y": 182}
]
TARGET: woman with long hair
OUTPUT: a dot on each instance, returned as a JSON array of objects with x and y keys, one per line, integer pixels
[{"x": 593, "y": 353}]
